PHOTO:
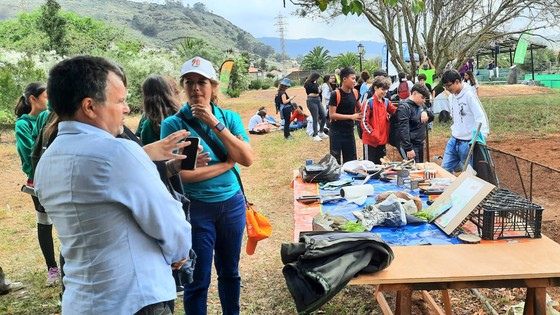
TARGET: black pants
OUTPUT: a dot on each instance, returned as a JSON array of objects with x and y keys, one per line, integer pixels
[
  {"x": 287, "y": 113},
  {"x": 342, "y": 142},
  {"x": 375, "y": 154},
  {"x": 160, "y": 308}
]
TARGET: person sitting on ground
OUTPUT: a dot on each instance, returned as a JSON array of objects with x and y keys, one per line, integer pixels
[
  {"x": 258, "y": 125},
  {"x": 299, "y": 118}
]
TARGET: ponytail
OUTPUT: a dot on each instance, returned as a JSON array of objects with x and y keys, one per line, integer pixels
[{"x": 23, "y": 105}]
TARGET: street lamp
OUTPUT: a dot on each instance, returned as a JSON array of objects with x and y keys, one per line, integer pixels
[{"x": 361, "y": 52}]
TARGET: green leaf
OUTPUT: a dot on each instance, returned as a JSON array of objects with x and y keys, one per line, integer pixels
[
  {"x": 357, "y": 8},
  {"x": 418, "y": 5},
  {"x": 322, "y": 4}
]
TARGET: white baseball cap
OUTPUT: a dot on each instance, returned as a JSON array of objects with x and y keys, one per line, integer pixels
[{"x": 199, "y": 65}]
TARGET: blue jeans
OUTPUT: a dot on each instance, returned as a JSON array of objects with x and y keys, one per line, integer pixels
[
  {"x": 217, "y": 230},
  {"x": 455, "y": 155}
]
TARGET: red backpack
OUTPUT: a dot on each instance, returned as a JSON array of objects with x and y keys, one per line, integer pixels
[{"x": 403, "y": 90}]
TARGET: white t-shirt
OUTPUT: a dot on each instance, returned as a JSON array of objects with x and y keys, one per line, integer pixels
[{"x": 254, "y": 121}]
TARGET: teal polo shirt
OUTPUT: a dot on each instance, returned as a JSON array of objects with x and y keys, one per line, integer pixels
[{"x": 225, "y": 185}]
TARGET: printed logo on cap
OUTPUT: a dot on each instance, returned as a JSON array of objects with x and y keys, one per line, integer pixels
[{"x": 196, "y": 62}]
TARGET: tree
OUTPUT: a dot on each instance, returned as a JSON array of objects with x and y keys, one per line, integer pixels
[
  {"x": 447, "y": 31},
  {"x": 263, "y": 64},
  {"x": 317, "y": 59},
  {"x": 54, "y": 26},
  {"x": 347, "y": 59}
]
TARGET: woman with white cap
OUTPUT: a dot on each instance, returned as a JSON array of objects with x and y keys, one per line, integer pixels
[{"x": 217, "y": 211}]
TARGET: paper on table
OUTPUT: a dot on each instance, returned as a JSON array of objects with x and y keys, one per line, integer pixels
[{"x": 353, "y": 192}]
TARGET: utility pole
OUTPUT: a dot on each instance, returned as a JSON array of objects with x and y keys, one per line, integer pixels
[
  {"x": 280, "y": 24},
  {"x": 23, "y": 5}
]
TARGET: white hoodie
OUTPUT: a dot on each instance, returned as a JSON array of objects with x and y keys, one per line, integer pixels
[{"x": 467, "y": 112}]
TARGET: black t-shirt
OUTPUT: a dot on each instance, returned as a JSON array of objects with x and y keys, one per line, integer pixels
[
  {"x": 279, "y": 98},
  {"x": 311, "y": 87},
  {"x": 347, "y": 106}
]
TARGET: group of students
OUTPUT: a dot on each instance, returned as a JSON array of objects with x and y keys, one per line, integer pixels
[
  {"x": 379, "y": 121},
  {"x": 119, "y": 208}
]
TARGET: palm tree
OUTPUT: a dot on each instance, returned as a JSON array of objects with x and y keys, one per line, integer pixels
[
  {"x": 348, "y": 59},
  {"x": 316, "y": 59}
]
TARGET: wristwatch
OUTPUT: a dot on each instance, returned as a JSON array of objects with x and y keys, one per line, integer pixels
[{"x": 218, "y": 128}]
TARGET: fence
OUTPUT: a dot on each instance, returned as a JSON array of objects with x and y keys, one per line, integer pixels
[{"x": 535, "y": 181}]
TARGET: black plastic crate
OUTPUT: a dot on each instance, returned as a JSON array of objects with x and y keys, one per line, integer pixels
[{"x": 507, "y": 215}]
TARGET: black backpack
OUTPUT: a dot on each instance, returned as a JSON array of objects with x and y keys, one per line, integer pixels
[
  {"x": 42, "y": 142},
  {"x": 444, "y": 116}
]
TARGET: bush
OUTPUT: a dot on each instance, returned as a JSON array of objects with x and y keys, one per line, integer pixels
[
  {"x": 255, "y": 84},
  {"x": 265, "y": 85},
  {"x": 233, "y": 93}
]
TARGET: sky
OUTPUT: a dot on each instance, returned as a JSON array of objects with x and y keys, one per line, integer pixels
[{"x": 258, "y": 17}]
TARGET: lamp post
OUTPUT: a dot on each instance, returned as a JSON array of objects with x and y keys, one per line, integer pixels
[{"x": 361, "y": 52}]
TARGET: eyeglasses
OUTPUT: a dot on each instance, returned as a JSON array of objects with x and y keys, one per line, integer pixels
[{"x": 447, "y": 86}]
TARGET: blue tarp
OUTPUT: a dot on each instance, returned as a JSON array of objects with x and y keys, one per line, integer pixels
[{"x": 409, "y": 235}]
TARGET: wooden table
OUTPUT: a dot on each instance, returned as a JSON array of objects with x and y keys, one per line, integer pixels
[{"x": 528, "y": 263}]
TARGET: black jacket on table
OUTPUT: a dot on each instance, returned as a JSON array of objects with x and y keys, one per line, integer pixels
[
  {"x": 322, "y": 263},
  {"x": 411, "y": 129}
]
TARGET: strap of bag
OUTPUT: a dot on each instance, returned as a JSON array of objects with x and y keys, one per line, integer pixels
[{"x": 212, "y": 144}]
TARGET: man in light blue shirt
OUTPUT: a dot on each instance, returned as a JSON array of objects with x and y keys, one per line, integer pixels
[{"x": 120, "y": 230}]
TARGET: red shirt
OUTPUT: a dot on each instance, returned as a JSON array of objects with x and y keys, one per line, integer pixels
[
  {"x": 375, "y": 121},
  {"x": 296, "y": 115}
]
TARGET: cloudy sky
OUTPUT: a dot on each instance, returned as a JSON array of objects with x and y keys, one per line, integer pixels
[{"x": 258, "y": 17}]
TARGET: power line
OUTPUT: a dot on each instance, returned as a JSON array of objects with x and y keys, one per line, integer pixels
[{"x": 281, "y": 28}]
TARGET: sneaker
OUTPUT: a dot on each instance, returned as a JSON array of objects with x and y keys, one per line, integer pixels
[
  {"x": 323, "y": 135},
  {"x": 180, "y": 290},
  {"x": 317, "y": 138},
  {"x": 289, "y": 138},
  {"x": 53, "y": 276}
]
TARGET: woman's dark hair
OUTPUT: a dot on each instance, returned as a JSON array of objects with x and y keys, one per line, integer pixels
[
  {"x": 472, "y": 79},
  {"x": 313, "y": 77},
  {"x": 34, "y": 89},
  {"x": 159, "y": 101}
]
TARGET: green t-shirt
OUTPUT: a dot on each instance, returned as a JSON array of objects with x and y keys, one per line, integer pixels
[{"x": 429, "y": 75}]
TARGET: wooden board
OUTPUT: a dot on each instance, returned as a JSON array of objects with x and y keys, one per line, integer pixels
[
  {"x": 523, "y": 260},
  {"x": 465, "y": 193}
]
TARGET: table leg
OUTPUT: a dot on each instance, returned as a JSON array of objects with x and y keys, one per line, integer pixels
[
  {"x": 535, "y": 302},
  {"x": 446, "y": 301},
  {"x": 430, "y": 300},
  {"x": 404, "y": 302},
  {"x": 378, "y": 294}
]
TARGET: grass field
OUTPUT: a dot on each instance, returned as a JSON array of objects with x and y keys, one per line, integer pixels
[{"x": 267, "y": 184}]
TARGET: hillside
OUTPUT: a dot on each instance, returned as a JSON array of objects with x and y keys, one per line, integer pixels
[{"x": 157, "y": 25}]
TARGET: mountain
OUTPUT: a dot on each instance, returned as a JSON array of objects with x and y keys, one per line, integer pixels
[
  {"x": 295, "y": 47},
  {"x": 157, "y": 25}
]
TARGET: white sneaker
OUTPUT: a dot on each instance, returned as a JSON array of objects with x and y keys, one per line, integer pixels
[
  {"x": 323, "y": 135},
  {"x": 317, "y": 138}
]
